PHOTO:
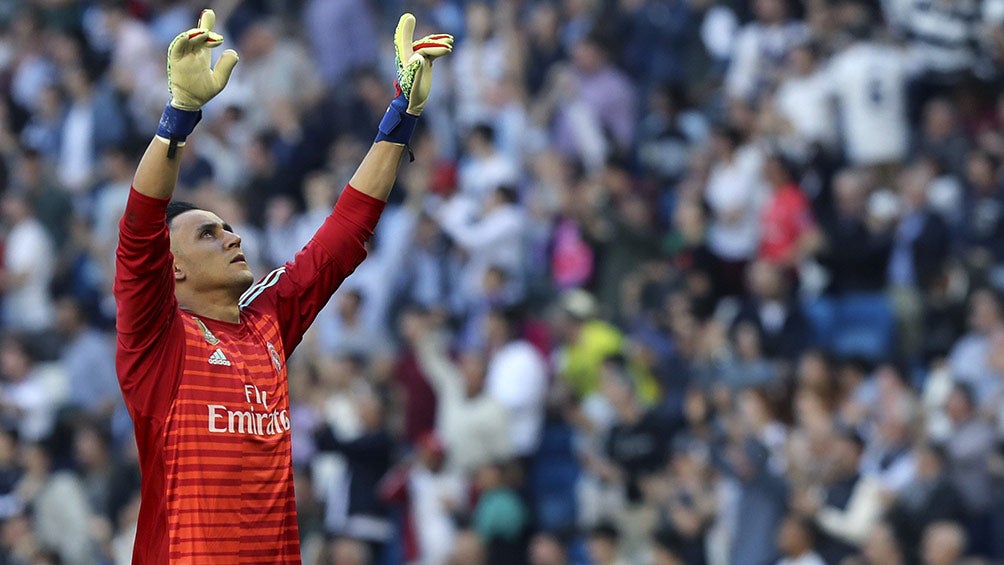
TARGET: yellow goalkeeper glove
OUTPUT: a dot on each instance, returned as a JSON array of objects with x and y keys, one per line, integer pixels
[
  {"x": 414, "y": 61},
  {"x": 190, "y": 79},
  {"x": 414, "y": 79}
]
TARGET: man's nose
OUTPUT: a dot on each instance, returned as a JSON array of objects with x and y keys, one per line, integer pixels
[{"x": 234, "y": 241}]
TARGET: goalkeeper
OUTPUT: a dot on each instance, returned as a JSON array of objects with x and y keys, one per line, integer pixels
[{"x": 201, "y": 352}]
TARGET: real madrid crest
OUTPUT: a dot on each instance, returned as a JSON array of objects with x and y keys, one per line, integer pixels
[
  {"x": 208, "y": 335},
  {"x": 276, "y": 360}
]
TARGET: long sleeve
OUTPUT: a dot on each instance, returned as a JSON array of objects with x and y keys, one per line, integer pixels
[
  {"x": 438, "y": 369},
  {"x": 147, "y": 312},
  {"x": 853, "y": 523},
  {"x": 494, "y": 228},
  {"x": 297, "y": 291}
]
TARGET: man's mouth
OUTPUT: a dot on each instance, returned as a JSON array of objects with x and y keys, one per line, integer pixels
[{"x": 239, "y": 259}]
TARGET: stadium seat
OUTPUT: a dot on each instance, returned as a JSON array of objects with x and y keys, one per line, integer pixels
[
  {"x": 865, "y": 326},
  {"x": 553, "y": 478},
  {"x": 822, "y": 315}
]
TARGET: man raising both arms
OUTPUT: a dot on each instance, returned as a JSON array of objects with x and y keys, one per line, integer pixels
[{"x": 201, "y": 351}]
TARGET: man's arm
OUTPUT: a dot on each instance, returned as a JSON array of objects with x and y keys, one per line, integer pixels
[
  {"x": 192, "y": 83},
  {"x": 146, "y": 308},
  {"x": 299, "y": 289},
  {"x": 375, "y": 175},
  {"x": 853, "y": 523},
  {"x": 436, "y": 366},
  {"x": 156, "y": 175}
]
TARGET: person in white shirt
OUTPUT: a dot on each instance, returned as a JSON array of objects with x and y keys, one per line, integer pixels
[
  {"x": 473, "y": 425},
  {"x": 517, "y": 379},
  {"x": 735, "y": 193},
  {"x": 803, "y": 101},
  {"x": 435, "y": 492},
  {"x": 28, "y": 265},
  {"x": 869, "y": 82},
  {"x": 478, "y": 64},
  {"x": 495, "y": 238},
  {"x": 30, "y": 392},
  {"x": 760, "y": 48},
  {"x": 484, "y": 168}
]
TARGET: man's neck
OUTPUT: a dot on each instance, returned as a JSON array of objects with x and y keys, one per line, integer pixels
[{"x": 221, "y": 306}]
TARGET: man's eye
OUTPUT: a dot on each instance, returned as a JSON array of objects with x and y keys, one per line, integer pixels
[{"x": 208, "y": 233}]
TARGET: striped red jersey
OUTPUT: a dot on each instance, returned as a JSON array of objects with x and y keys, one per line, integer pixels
[{"x": 209, "y": 399}]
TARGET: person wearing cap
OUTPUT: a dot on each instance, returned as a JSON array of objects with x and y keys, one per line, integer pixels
[{"x": 586, "y": 340}]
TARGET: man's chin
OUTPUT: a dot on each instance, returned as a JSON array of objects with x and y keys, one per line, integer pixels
[{"x": 244, "y": 281}]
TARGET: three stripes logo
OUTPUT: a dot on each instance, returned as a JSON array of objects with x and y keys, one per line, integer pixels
[
  {"x": 260, "y": 287},
  {"x": 218, "y": 358}
]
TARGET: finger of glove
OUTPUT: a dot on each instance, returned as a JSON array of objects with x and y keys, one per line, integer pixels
[
  {"x": 186, "y": 42},
  {"x": 224, "y": 67},
  {"x": 436, "y": 39},
  {"x": 207, "y": 19},
  {"x": 433, "y": 46},
  {"x": 213, "y": 39},
  {"x": 433, "y": 50},
  {"x": 197, "y": 38},
  {"x": 420, "y": 86},
  {"x": 403, "y": 37}
]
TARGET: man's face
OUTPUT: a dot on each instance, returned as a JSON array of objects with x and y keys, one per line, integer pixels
[{"x": 207, "y": 253}]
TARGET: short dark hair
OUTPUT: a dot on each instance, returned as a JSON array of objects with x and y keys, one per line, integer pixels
[
  {"x": 936, "y": 450},
  {"x": 177, "y": 207},
  {"x": 607, "y": 531},
  {"x": 508, "y": 193},
  {"x": 966, "y": 391},
  {"x": 485, "y": 131}
]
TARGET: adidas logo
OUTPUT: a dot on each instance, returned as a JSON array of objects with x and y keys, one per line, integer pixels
[{"x": 218, "y": 358}]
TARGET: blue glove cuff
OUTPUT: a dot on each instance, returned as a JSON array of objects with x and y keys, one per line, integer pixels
[
  {"x": 397, "y": 124},
  {"x": 175, "y": 124}
]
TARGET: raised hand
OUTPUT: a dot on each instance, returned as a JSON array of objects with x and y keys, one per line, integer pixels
[
  {"x": 191, "y": 80},
  {"x": 414, "y": 61}
]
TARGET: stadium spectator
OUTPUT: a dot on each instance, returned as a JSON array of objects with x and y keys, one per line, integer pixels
[
  {"x": 797, "y": 542},
  {"x": 803, "y": 101},
  {"x": 499, "y": 517},
  {"x": 61, "y": 511},
  {"x": 931, "y": 497},
  {"x": 517, "y": 379},
  {"x": 548, "y": 548},
  {"x": 869, "y": 80},
  {"x": 881, "y": 547},
  {"x": 760, "y": 49},
  {"x": 847, "y": 504},
  {"x": 857, "y": 247},
  {"x": 599, "y": 120},
  {"x": 604, "y": 545},
  {"x": 28, "y": 268},
  {"x": 473, "y": 425},
  {"x": 354, "y": 509},
  {"x": 944, "y": 544},
  {"x": 89, "y": 363},
  {"x": 967, "y": 448}
]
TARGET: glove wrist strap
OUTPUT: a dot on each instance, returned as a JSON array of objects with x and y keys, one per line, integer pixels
[
  {"x": 397, "y": 124},
  {"x": 176, "y": 124}
]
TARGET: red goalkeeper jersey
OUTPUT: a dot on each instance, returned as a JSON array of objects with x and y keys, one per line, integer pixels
[{"x": 209, "y": 399}]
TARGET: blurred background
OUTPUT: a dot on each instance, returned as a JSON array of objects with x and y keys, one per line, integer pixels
[{"x": 669, "y": 281}]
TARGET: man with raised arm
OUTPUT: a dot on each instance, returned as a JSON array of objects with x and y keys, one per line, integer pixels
[{"x": 201, "y": 350}]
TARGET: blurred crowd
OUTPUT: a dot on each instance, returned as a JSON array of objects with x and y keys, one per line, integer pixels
[{"x": 667, "y": 282}]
